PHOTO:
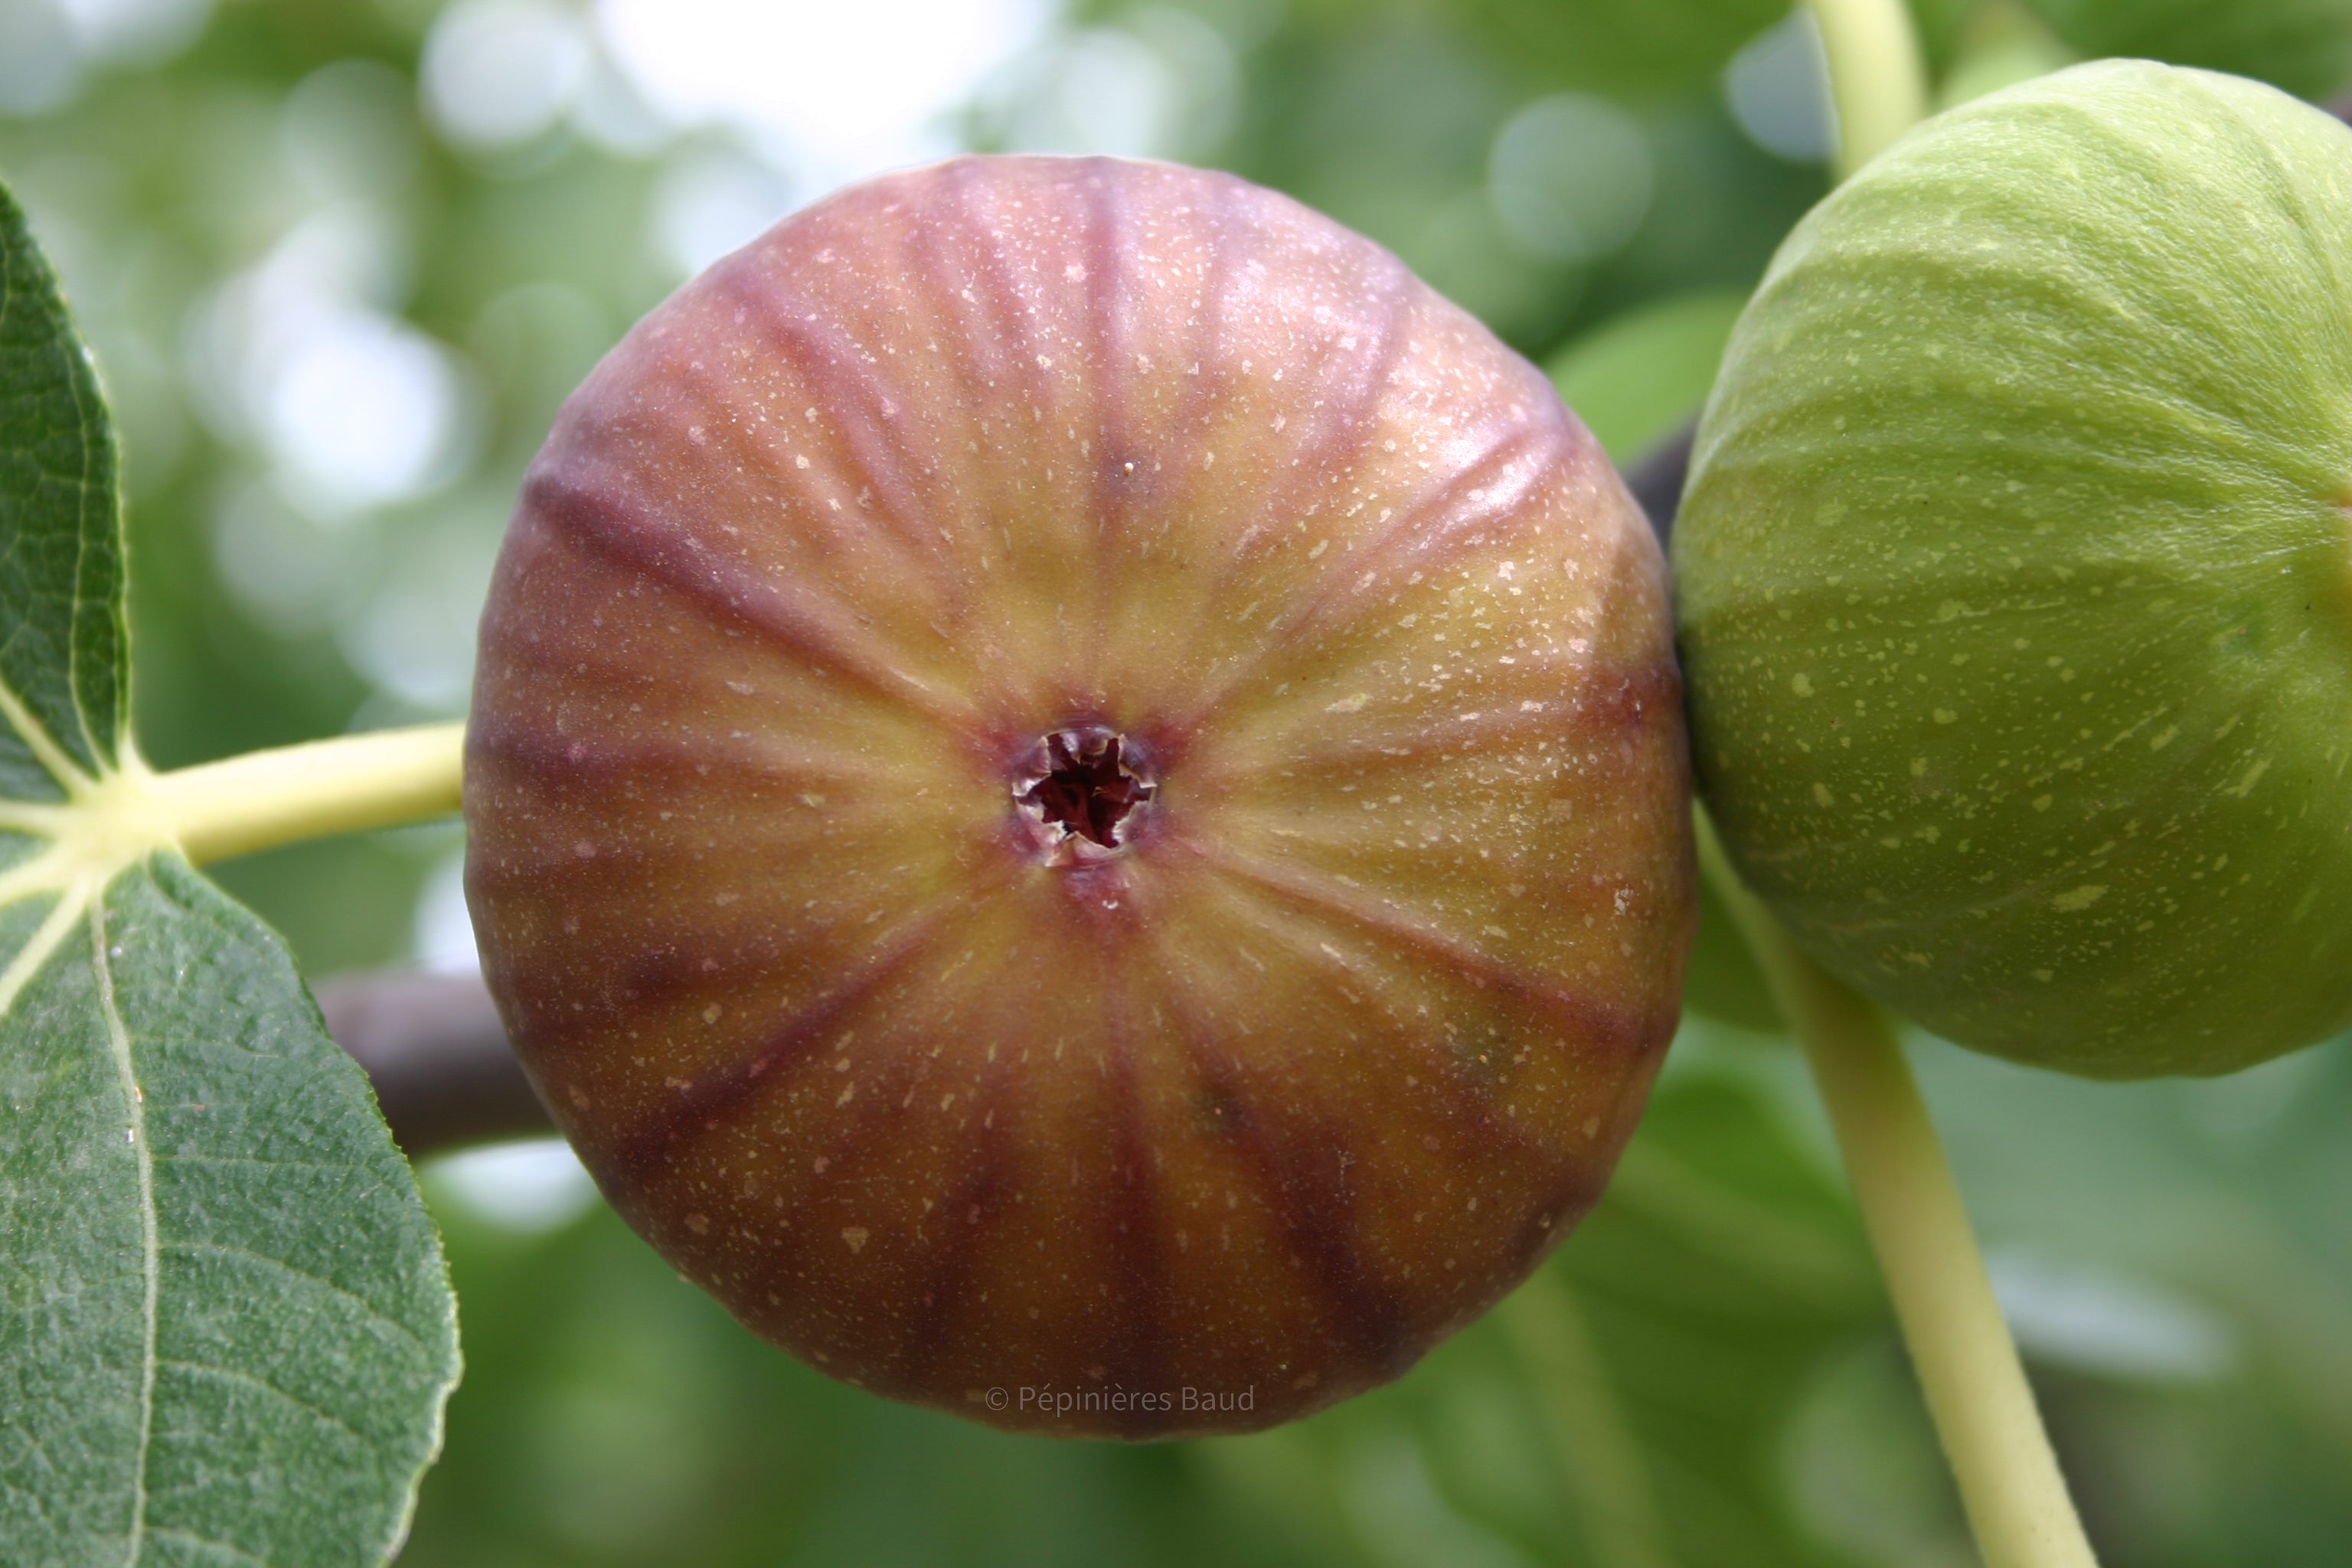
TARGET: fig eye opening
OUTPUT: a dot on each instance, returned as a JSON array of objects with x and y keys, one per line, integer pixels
[{"x": 1080, "y": 791}]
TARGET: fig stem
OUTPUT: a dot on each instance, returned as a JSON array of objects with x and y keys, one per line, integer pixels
[
  {"x": 1878, "y": 78},
  {"x": 2009, "y": 1483},
  {"x": 347, "y": 784}
]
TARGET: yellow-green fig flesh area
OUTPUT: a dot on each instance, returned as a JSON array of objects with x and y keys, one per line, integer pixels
[
  {"x": 1077, "y": 798},
  {"x": 2015, "y": 578}
]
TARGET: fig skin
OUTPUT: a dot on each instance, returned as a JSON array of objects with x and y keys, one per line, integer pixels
[
  {"x": 2012, "y": 576},
  {"x": 1193, "y": 1132}
]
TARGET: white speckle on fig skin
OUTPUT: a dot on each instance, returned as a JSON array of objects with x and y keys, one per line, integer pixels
[{"x": 1045, "y": 446}]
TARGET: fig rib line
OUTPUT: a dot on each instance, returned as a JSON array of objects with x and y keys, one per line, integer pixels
[
  {"x": 1589, "y": 1021},
  {"x": 1344, "y": 423},
  {"x": 790, "y": 1046},
  {"x": 954, "y": 1258},
  {"x": 821, "y": 635},
  {"x": 1422, "y": 526},
  {"x": 855, "y": 399},
  {"x": 1139, "y": 1340},
  {"x": 1317, "y": 1218}
]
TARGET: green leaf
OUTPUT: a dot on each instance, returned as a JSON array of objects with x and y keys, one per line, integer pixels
[
  {"x": 2303, "y": 46},
  {"x": 61, "y": 629},
  {"x": 1614, "y": 46},
  {"x": 1648, "y": 48},
  {"x": 1638, "y": 375},
  {"x": 225, "y": 1329}
]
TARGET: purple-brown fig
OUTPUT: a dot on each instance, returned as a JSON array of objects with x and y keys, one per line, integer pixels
[{"x": 1077, "y": 798}]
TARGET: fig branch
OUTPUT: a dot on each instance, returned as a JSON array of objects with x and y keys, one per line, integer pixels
[{"x": 434, "y": 1049}]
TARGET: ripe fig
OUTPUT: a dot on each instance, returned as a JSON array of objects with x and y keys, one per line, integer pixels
[
  {"x": 1077, "y": 798},
  {"x": 2014, "y": 575}
]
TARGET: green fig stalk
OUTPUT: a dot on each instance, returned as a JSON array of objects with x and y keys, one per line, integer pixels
[
  {"x": 1877, "y": 79},
  {"x": 2018, "y": 1505}
]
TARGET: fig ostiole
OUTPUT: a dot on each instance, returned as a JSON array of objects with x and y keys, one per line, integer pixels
[
  {"x": 1076, "y": 797},
  {"x": 2015, "y": 575}
]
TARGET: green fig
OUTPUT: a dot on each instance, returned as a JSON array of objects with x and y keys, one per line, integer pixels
[{"x": 2015, "y": 575}]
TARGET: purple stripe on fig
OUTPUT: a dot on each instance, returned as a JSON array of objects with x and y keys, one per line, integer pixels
[
  {"x": 1342, "y": 425},
  {"x": 1076, "y": 787},
  {"x": 945, "y": 1285},
  {"x": 863, "y": 409},
  {"x": 1310, "y": 1194},
  {"x": 1589, "y": 1020},
  {"x": 1137, "y": 1350},
  {"x": 572, "y": 758},
  {"x": 1110, "y": 308},
  {"x": 1417, "y": 532},
  {"x": 1475, "y": 1100},
  {"x": 824, "y": 635},
  {"x": 1617, "y": 702},
  {"x": 702, "y": 1104}
]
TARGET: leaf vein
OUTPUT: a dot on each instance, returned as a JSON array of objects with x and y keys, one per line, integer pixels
[
  {"x": 36, "y": 951},
  {"x": 120, "y": 1039},
  {"x": 238, "y": 1374},
  {"x": 42, "y": 744},
  {"x": 223, "y": 1249},
  {"x": 206, "y": 1543}
]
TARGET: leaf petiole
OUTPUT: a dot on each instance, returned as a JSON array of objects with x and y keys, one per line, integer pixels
[
  {"x": 216, "y": 810},
  {"x": 347, "y": 784}
]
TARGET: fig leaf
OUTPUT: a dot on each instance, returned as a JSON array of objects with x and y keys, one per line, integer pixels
[
  {"x": 1638, "y": 375},
  {"x": 2303, "y": 46},
  {"x": 1630, "y": 50},
  {"x": 225, "y": 1329}
]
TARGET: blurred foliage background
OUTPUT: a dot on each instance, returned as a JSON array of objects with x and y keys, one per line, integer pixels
[{"x": 341, "y": 259}]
